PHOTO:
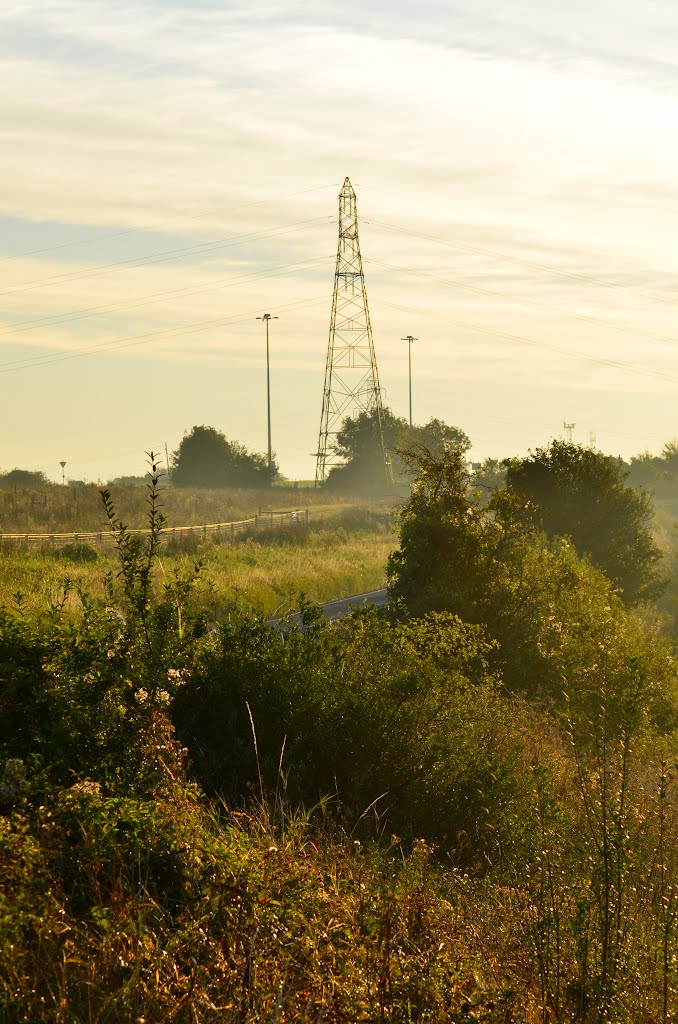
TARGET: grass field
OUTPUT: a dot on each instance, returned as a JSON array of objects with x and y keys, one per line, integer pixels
[
  {"x": 70, "y": 509},
  {"x": 336, "y": 557}
]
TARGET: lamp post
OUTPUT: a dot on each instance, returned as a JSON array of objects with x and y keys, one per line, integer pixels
[
  {"x": 409, "y": 339},
  {"x": 266, "y": 318}
]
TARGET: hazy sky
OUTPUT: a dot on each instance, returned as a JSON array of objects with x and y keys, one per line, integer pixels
[{"x": 170, "y": 171}]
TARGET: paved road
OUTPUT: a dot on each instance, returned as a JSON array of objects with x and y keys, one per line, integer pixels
[
  {"x": 338, "y": 609},
  {"x": 334, "y": 610}
]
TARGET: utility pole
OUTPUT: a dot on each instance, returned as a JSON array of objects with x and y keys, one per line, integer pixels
[
  {"x": 63, "y": 472},
  {"x": 409, "y": 339},
  {"x": 569, "y": 427},
  {"x": 266, "y": 318},
  {"x": 351, "y": 376}
]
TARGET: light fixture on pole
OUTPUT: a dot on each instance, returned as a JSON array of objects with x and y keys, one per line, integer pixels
[
  {"x": 409, "y": 339},
  {"x": 63, "y": 472},
  {"x": 266, "y": 317}
]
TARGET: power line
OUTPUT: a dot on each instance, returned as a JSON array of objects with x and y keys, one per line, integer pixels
[
  {"x": 160, "y": 226},
  {"x": 161, "y": 257},
  {"x": 533, "y": 265},
  {"x": 351, "y": 375},
  {"x": 599, "y": 321},
  {"x": 601, "y": 360},
  {"x": 140, "y": 339},
  {"x": 57, "y": 319}
]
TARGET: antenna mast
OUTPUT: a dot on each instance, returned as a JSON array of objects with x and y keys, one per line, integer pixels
[{"x": 351, "y": 375}]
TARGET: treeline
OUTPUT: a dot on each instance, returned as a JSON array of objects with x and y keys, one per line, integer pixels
[
  {"x": 369, "y": 460},
  {"x": 366, "y": 461},
  {"x": 656, "y": 473},
  {"x": 463, "y": 810}
]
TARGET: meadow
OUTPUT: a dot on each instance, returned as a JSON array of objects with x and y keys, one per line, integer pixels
[
  {"x": 342, "y": 550},
  {"x": 265, "y": 571},
  {"x": 60, "y": 509}
]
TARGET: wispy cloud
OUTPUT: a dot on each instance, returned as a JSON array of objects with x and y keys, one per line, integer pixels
[{"x": 497, "y": 141}]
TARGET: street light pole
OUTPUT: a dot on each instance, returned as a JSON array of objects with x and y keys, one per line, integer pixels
[
  {"x": 409, "y": 339},
  {"x": 266, "y": 317}
]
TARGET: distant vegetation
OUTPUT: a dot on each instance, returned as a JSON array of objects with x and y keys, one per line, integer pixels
[
  {"x": 206, "y": 458},
  {"x": 657, "y": 473},
  {"x": 584, "y": 495},
  {"x": 54, "y": 508},
  {"x": 358, "y": 444},
  {"x": 22, "y": 478}
]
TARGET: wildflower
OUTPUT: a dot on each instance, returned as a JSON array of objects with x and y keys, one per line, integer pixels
[{"x": 86, "y": 787}]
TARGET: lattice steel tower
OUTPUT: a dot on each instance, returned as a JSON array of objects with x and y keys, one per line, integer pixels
[{"x": 351, "y": 375}]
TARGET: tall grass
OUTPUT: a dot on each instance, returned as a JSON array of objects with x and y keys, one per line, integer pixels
[
  {"x": 266, "y": 571},
  {"x": 68, "y": 509}
]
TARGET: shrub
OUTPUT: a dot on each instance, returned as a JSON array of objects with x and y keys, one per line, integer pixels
[
  {"x": 402, "y": 717},
  {"x": 77, "y": 552}
]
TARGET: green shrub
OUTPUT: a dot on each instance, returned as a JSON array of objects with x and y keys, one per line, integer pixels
[
  {"x": 402, "y": 717},
  {"x": 77, "y": 552}
]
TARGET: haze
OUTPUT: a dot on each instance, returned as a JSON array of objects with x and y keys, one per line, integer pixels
[{"x": 170, "y": 171}]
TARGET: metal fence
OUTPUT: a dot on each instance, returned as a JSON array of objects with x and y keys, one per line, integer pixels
[{"x": 99, "y": 538}]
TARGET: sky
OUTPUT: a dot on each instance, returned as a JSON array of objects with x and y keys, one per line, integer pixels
[{"x": 170, "y": 171}]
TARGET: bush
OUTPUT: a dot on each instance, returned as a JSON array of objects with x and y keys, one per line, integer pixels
[
  {"x": 402, "y": 717},
  {"x": 77, "y": 552},
  {"x": 554, "y": 616},
  {"x": 22, "y": 478},
  {"x": 582, "y": 494}
]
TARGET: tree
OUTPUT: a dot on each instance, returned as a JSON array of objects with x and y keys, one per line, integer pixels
[
  {"x": 446, "y": 539},
  {"x": 581, "y": 493},
  {"x": 358, "y": 444},
  {"x": 23, "y": 478},
  {"x": 555, "y": 623},
  {"x": 489, "y": 476},
  {"x": 205, "y": 458}
]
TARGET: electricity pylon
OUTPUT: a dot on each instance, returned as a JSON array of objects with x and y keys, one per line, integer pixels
[{"x": 351, "y": 375}]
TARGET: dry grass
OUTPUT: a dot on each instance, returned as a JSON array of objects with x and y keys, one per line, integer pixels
[
  {"x": 69, "y": 509},
  {"x": 266, "y": 572},
  {"x": 251, "y": 922}
]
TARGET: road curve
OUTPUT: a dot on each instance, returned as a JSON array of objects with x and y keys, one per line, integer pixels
[
  {"x": 333, "y": 610},
  {"x": 338, "y": 609}
]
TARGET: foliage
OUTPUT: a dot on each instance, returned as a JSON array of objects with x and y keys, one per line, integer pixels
[
  {"x": 77, "y": 551},
  {"x": 88, "y": 696},
  {"x": 656, "y": 473},
  {"x": 124, "y": 910},
  {"x": 545, "y": 889},
  {"x": 581, "y": 493},
  {"x": 411, "y": 725},
  {"x": 488, "y": 476},
  {"x": 357, "y": 442},
  {"x": 552, "y": 614},
  {"x": 603, "y": 902},
  {"x": 22, "y": 478},
  {"x": 205, "y": 458}
]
